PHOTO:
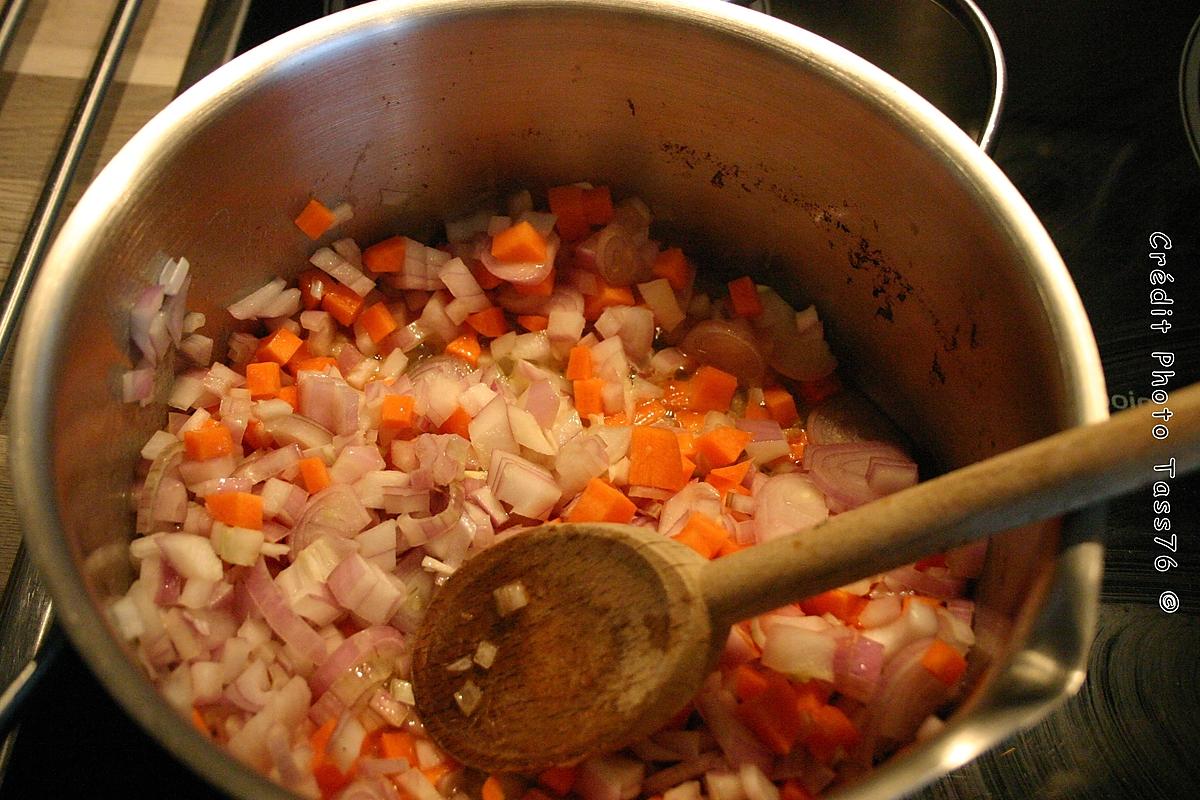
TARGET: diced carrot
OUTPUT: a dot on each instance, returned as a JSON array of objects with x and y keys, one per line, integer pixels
[
  {"x": 279, "y": 347},
  {"x": 559, "y": 780},
  {"x": 490, "y": 322},
  {"x": 342, "y": 303},
  {"x": 703, "y": 535},
  {"x": 492, "y": 789},
  {"x": 315, "y": 219},
  {"x": 816, "y": 392},
  {"x": 312, "y": 283},
  {"x": 437, "y": 772},
  {"x": 579, "y": 363},
  {"x": 616, "y": 419},
  {"x": 519, "y": 243},
  {"x": 483, "y": 277},
  {"x": 781, "y": 405},
  {"x": 756, "y": 412},
  {"x": 316, "y": 364},
  {"x": 677, "y": 394},
  {"x": 729, "y": 478},
  {"x": 687, "y": 468},
  {"x": 378, "y": 322},
  {"x": 302, "y": 354},
  {"x": 239, "y": 509},
  {"x": 292, "y": 395},
  {"x": 673, "y": 265},
  {"x": 398, "y": 744},
  {"x": 263, "y": 379},
  {"x": 210, "y": 440},
  {"x": 748, "y": 682},
  {"x": 944, "y": 662},
  {"x": 773, "y": 715},
  {"x": 687, "y": 443},
  {"x": 598, "y": 205},
  {"x": 198, "y": 722},
  {"x": 838, "y": 602},
  {"x": 654, "y": 458},
  {"x": 712, "y": 389},
  {"x": 533, "y": 322},
  {"x": 797, "y": 441},
  {"x": 256, "y": 433},
  {"x": 721, "y": 446},
  {"x": 690, "y": 420},
  {"x": 743, "y": 296},
  {"x": 319, "y": 740},
  {"x": 600, "y": 502},
  {"x": 467, "y": 348},
  {"x": 605, "y": 296},
  {"x": 648, "y": 412},
  {"x": 543, "y": 288},
  {"x": 566, "y": 203},
  {"x": 314, "y": 474},
  {"x": 829, "y": 731},
  {"x": 386, "y": 256},
  {"x": 330, "y": 780},
  {"x": 589, "y": 397},
  {"x": 396, "y": 413},
  {"x": 458, "y": 422}
]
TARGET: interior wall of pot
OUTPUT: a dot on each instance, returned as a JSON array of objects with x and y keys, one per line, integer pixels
[{"x": 749, "y": 156}]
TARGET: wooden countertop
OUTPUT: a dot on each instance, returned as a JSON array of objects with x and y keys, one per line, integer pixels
[{"x": 39, "y": 87}]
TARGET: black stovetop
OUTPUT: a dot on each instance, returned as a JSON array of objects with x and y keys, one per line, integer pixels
[{"x": 1094, "y": 137}]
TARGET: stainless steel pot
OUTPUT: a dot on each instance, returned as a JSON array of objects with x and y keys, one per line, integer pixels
[{"x": 758, "y": 143}]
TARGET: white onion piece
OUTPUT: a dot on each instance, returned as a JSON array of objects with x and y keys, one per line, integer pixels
[
  {"x": 250, "y": 305},
  {"x": 299, "y": 430},
  {"x": 286, "y": 707},
  {"x": 166, "y": 462},
  {"x": 419, "y": 530},
  {"x": 580, "y": 459},
  {"x": 269, "y": 464},
  {"x": 342, "y": 270},
  {"x": 633, "y": 325},
  {"x": 787, "y": 503},
  {"x": 857, "y": 665},
  {"x": 609, "y": 777},
  {"x": 799, "y": 653},
  {"x": 294, "y": 631},
  {"x": 335, "y": 510},
  {"x": 529, "y": 489},
  {"x": 908, "y": 693},
  {"x": 378, "y": 644},
  {"x": 717, "y": 706},
  {"x": 840, "y": 470},
  {"x": 729, "y": 345},
  {"x": 191, "y": 556}
]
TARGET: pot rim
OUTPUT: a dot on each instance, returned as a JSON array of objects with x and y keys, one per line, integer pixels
[{"x": 1045, "y": 671}]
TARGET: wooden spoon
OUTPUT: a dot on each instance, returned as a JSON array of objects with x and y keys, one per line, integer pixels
[{"x": 623, "y": 624}]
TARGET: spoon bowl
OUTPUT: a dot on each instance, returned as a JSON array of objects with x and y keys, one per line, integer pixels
[{"x": 627, "y": 601}]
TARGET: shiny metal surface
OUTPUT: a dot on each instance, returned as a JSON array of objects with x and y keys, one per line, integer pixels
[
  {"x": 944, "y": 49},
  {"x": 761, "y": 146}
]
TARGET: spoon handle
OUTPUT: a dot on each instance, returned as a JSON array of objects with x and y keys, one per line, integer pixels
[{"x": 1061, "y": 473}]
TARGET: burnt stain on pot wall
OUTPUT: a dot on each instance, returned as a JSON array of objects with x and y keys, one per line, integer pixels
[{"x": 888, "y": 286}]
